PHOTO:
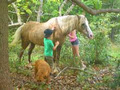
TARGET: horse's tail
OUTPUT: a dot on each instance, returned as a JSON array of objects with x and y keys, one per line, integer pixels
[{"x": 17, "y": 36}]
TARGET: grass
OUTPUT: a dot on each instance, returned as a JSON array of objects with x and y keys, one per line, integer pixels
[
  {"x": 114, "y": 54},
  {"x": 115, "y": 51}
]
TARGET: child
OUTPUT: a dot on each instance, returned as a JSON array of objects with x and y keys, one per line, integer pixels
[
  {"x": 75, "y": 43},
  {"x": 49, "y": 46},
  {"x": 75, "y": 46}
]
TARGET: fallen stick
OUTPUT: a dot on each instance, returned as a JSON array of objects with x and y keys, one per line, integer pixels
[
  {"x": 61, "y": 71},
  {"x": 74, "y": 68}
]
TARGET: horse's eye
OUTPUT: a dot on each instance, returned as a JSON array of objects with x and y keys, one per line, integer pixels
[{"x": 83, "y": 25}]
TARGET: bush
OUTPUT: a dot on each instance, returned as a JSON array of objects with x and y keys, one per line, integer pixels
[
  {"x": 116, "y": 83},
  {"x": 96, "y": 51}
]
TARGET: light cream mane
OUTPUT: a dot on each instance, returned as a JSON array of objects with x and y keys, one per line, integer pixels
[{"x": 67, "y": 23}]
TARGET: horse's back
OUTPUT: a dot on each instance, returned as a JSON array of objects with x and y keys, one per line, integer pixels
[
  {"x": 29, "y": 25},
  {"x": 33, "y": 32}
]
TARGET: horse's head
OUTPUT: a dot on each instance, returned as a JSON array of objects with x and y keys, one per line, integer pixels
[{"x": 83, "y": 26}]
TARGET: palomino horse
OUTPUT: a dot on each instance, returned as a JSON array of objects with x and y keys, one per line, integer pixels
[{"x": 33, "y": 32}]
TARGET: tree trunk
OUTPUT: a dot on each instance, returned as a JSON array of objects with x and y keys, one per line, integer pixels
[
  {"x": 5, "y": 81},
  {"x": 112, "y": 33}
]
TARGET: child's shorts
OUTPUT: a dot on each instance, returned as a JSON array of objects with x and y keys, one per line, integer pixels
[
  {"x": 49, "y": 60},
  {"x": 76, "y": 42}
]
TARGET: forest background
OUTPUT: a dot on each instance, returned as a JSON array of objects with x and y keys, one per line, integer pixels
[{"x": 101, "y": 55}]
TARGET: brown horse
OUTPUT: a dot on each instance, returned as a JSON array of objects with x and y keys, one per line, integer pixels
[{"x": 32, "y": 32}]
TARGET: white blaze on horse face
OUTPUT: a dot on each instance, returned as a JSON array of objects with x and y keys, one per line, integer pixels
[{"x": 89, "y": 31}]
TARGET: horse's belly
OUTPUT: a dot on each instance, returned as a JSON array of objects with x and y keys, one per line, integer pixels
[{"x": 36, "y": 39}]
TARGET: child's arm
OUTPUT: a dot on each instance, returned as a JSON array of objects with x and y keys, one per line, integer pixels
[
  {"x": 72, "y": 34},
  {"x": 56, "y": 44}
]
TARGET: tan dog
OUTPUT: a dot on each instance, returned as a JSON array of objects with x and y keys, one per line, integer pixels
[{"x": 42, "y": 71}]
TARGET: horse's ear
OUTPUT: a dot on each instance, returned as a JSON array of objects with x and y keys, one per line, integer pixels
[
  {"x": 83, "y": 13},
  {"x": 78, "y": 16}
]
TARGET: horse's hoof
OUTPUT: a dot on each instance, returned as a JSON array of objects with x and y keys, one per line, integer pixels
[
  {"x": 55, "y": 72},
  {"x": 29, "y": 65},
  {"x": 83, "y": 67}
]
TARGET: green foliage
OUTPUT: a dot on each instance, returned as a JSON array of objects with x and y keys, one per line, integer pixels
[
  {"x": 82, "y": 77},
  {"x": 111, "y": 3},
  {"x": 115, "y": 32},
  {"x": 41, "y": 86},
  {"x": 25, "y": 7},
  {"x": 96, "y": 50},
  {"x": 66, "y": 57},
  {"x": 116, "y": 82},
  {"x": 107, "y": 79},
  {"x": 97, "y": 4},
  {"x": 28, "y": 10}
]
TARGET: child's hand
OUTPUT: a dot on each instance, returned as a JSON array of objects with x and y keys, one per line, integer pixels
[
  {"x": 68, "y": 35},
  {"x": 53, "y": 27},
  {"x": 57, "y": 43}
]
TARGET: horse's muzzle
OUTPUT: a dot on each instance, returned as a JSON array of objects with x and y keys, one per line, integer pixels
[{"x": 90, "y": 36}]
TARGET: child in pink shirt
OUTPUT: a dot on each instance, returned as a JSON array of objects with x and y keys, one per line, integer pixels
[
  {"x": 75, "y": 46},
  {"x": 75, "y": 43}
]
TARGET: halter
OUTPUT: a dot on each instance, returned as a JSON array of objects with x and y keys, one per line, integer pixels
[
  {"x": 58, "y": 25},
  {"x": 78, "y": 18}
]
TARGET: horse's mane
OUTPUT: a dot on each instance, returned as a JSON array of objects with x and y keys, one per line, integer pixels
[{"x": 67, "y": 23}]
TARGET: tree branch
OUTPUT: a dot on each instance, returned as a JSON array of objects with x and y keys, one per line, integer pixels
[
  {"x": 11, "y": 1},
  {"x": 11, "y": 21},
  {"x": 15, "y": 24},
  {"x": 39, "y": 13},
  {"x": 18, "y": 17},
  {"x": 69, "y": 9},
  {"x": 65, "y": 1},
  {"x": 61, "y": 72},
  {"x": 94, "y": 12},
  {"x": 17, "y": 12},
  {"x": 74, "y": 68}
]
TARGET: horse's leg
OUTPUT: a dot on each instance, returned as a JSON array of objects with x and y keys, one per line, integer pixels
[
  {"x": 56, "y": 58},
  {"x": 54, "y": 61},
  {"x": 32, "y": 45},
  {"x": 24, "y": 46},
  {"x": 54, "y": 54},
  {"x": 21, "y": 53},
  {"x": 58, "y": 54}
]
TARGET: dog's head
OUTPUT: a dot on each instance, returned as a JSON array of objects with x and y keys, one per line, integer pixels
[
  {"x": 42, "y": 79},
  {"x": 42, "y": 71},
  {"x": 39, "y": 79}
]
